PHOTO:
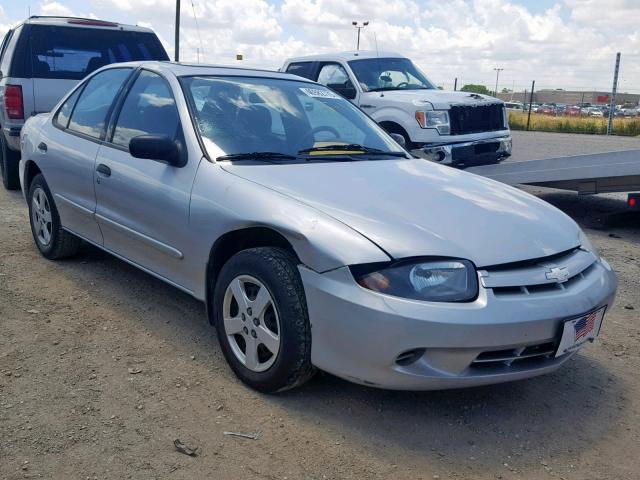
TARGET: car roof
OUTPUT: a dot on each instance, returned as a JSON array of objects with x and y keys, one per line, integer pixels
[
  {"x": 345, "y": 56},
  {"x": 80, "y": 22},
  {"x": 199, "y": 69}
]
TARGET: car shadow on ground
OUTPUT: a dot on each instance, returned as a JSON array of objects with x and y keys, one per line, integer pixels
[{"x": 517, "y": 423}]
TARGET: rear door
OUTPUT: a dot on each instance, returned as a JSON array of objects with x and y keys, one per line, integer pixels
[
  {"x": 143, "y": 205},
  {"x": 68, "y": 150},
  {"x": 58, "y": 57}
]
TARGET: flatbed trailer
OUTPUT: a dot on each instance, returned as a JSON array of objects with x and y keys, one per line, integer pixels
[{"x": 586, "y": 174}]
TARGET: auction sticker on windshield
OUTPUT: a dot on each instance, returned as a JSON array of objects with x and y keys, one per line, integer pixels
[
  {"x": 321, "y": 93},
  {"x": 580, "y": 330}
]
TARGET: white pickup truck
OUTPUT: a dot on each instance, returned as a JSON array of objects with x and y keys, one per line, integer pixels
[{"x": 454, "y": 128}]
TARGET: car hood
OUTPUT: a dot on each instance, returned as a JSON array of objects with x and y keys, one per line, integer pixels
[
  {"x": 437, "y": 99},
  {"x": 411, "y": 207}
]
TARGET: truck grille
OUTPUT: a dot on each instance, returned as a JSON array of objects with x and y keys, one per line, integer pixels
[{"x": 467, "y": 119}]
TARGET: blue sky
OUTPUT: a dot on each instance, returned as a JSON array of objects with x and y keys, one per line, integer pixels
[{"x": 559, "y": 43}]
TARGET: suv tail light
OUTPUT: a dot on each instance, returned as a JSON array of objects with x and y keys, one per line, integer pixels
[{"x": 13, "y": 102}]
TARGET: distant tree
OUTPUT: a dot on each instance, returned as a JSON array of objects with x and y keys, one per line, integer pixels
[
  {"x": 506, "y": 90},
  {"x": 475, "y": 89},
  {"x": 440, "y": 87}
]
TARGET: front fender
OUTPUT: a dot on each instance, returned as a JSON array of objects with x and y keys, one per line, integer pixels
[{"x": 222, "y": 202}]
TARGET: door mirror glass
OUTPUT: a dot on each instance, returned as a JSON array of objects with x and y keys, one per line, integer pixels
[
  {"x": 156, "y": 147},
  {"x": 399, "y": 139}
]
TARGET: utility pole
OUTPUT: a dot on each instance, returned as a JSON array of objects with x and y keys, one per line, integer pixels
[
  {"x": 614, "y": 90},
  {"x": 455, "y": 85},
  {"x": 359, "y": 27},
  {"x": 497, "y": 70},
  {"x": 533, "y": 86},
  {"x": 176, "y": 53}
]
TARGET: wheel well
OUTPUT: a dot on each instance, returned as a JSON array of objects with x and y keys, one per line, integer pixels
[
  {"x": 393, "y": 127},
  {"x": 30, "y": 171},
  {"x": 233, "y": 242}
]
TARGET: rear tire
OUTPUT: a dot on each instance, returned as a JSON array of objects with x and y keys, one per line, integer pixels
[
  {"x": 266, "y": 335},
  {"x": 51, "y": 239},
  {"x": 9, "y": 165}
]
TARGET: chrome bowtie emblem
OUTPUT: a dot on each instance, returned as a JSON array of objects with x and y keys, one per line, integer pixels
[{"x": 559, "y": 274}]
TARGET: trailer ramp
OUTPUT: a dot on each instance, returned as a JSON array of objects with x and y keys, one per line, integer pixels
[{"x": 585, "y": 174}]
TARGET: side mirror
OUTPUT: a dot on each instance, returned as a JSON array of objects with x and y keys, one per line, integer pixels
[
  {"x": 157, "y": 147},
  {"x": 347, "y": 90},
  {"x": 399, "y": 139}
]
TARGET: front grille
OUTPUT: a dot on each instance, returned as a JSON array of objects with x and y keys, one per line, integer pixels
[
  {"x": 466, "y": 119},
  {"x": 529, "y": 356},
  {"x": 530, "y": 277}
]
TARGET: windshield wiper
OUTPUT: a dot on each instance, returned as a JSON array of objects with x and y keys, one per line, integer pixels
[
  {"x": 387, "y": 89},
  {"x": 338, "y": 149},
  {"x": 256, "y": 156}
]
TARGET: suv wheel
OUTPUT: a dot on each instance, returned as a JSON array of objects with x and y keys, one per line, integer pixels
[
  {"x": 9, "y": 165},
  {"x": 52, "y": 241},
  {"x": 262, "y": 321}
]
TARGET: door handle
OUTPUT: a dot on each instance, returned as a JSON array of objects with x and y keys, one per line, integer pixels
[
  {"x": 103, "y": 170},
  {"x": 42, "y": 147}
]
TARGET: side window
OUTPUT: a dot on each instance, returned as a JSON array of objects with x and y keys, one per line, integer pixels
[
  {"x": 302, "y": 69},
  {"x": 90, "y": 114},
  {"x": 336, "y": 78},
  {"x": 5, "y": 40},
  {"x": 7, "y": 50},
  {"x": 62, "y": 117},
  {"x": 149, "y": 109}
]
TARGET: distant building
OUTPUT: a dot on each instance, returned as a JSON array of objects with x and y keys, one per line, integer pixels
[{"x": 570, "y": 97}]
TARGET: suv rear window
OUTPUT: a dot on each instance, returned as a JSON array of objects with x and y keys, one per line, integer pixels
[{"x": 73, "y": 53}]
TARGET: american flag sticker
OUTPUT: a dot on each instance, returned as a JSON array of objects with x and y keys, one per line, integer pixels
[{"x": 579, "y": 331}]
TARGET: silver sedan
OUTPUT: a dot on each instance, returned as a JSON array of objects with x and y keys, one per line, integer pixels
[{"x": 315, "y": 240}]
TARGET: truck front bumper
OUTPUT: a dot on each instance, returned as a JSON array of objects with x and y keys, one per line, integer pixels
[{"x": 467, "y": 154}]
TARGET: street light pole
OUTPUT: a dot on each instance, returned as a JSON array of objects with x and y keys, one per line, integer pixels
[
  {"x": 497, "y": 70},
  {"x": 359, "y": 27},
  {"x": 176, "y": 53}
]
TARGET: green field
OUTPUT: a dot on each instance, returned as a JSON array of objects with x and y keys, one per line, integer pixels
[{"x": 589, "y": 125}]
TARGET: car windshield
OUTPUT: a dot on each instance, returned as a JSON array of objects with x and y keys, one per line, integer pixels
[
  {"x": 236, "y": 115},
  {"x": 379, "y": 74}
]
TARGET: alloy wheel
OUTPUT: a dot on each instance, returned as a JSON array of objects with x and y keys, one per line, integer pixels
[
  {"x": 251, "y": 323},
  {"x": 41, "y": 216}
]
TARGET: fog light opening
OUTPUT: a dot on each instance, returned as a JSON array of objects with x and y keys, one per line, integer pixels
[{"x": 410, "y": 356}]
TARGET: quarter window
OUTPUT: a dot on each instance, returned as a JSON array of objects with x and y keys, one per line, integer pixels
[
  {"x": 90, "y": 115},
  {"x": 302, "y": 69},
  {"x": 149, "y": 109},
  {"x": 62, "y": 117}
]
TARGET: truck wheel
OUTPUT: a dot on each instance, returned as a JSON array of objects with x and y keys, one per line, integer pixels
[
  {"x": 262, "y": 321},
  {"x": 9, "y": 165},
  {"x": 52, "y": 241}
]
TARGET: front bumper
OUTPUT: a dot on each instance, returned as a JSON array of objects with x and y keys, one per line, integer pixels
[
  {"x": 467, "y": 154},
  {"x": 359, "y": 335}
]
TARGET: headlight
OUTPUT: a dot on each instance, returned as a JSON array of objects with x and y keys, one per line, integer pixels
[
  {"x": 434, "y": 119},
  {"x": 586, "y": 244},
  {"x": 433, "y": 280}
]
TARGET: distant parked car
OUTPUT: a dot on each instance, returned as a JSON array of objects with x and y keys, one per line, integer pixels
[
  {"x": 514, "y": 106},
  {"x": 595, "y": 112},
  {"x": 547, "y": 110},
  {"x": 572, "y": 111},
  {"x": 42, "y": 58}
]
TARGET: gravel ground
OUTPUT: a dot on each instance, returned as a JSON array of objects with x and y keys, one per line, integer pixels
[{"x": 102, "y": 367}]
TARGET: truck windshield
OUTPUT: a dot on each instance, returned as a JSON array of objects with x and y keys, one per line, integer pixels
[
  {"x": 236, "y": 115},
  {"x": 73, "y": 52},
  {"x": 379, "y": 74}
]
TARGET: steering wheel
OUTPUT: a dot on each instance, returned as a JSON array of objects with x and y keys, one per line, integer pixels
[
  {"x": 312, "y": 134},
  {"x": 402, "y": 83}
]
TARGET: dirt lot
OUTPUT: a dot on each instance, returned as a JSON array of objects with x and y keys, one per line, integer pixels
[{"x": 73, "y": 334}]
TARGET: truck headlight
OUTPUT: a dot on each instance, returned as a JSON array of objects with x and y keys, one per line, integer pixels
[
  {"x": 437, "y": 119},
  {"x": 430, "y": 280}
]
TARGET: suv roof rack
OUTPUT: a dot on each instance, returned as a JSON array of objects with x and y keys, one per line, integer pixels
[{"x": 78, "y": 20}]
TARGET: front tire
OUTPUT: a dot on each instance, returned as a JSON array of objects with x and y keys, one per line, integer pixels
[
  {"x": 9, "y": 165},
  {"x": 51, "y": 239},
  {"x": 261, "y": 319}
]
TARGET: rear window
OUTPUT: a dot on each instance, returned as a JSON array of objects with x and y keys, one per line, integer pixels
[{"x": 73, "y": 53}]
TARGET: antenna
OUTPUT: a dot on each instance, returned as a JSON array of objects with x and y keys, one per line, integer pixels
[{"x": 197, "y": 30}]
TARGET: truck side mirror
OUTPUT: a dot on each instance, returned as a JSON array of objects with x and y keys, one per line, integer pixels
[
  {"x": 399, "y": 139},
  {"x": 347, "y": 90}
]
